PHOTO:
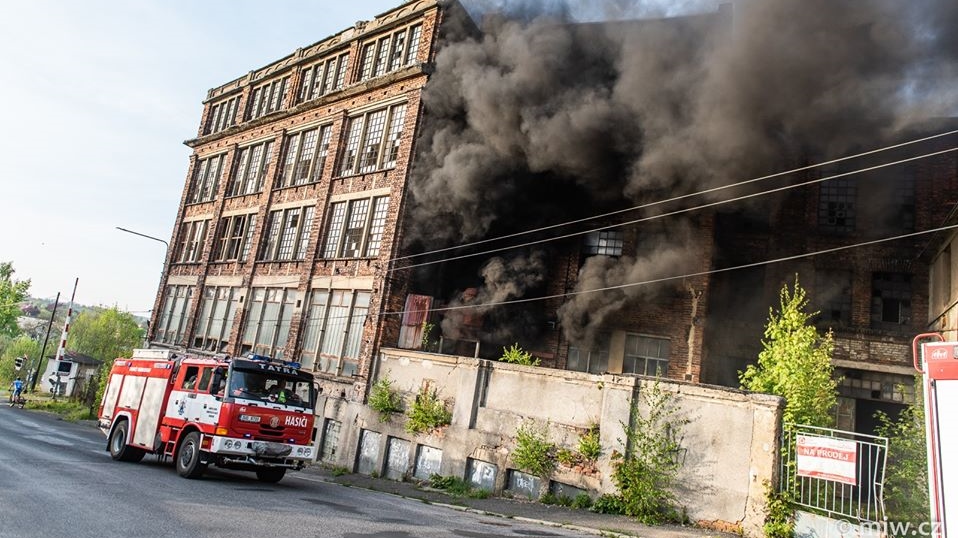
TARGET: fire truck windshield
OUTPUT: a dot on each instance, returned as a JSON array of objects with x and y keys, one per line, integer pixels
[{"x": 272, "y": 387}]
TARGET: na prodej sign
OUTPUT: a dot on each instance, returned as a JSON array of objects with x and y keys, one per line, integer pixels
[{"x": 827, "y": 458}]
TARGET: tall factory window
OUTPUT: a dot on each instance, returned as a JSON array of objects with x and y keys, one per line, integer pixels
[
  {"x": 390, "y": 52},
  {"x": 833, "y": 297},
  {"x": 287, "y": 234},
  {"x": 192, "y": 237},
  {"x": 304, "y": 157},
  {"x": 891, "y": 301},
  {"x": 215, "y": 318},
  {"x": 206, "y": 179},
  {"x": 905, "y": 195},
  {"x": 332, "y": 337},
  {"x": 249, "y": 173},
  {"x": 354, "y": 230},
  {"x": 268, "y": 319},
  {"x": 171, "y": 323},
  {"x": 646, "y": 355},
  {"x": 604, "y": 243},
  {"x": 233, "y": 237},
  {"x": 594, "y": 361},
  {"x": 267, "y": 98},
  {"x": 222, "y": 115},
  {"x": 366, "y": 148},
  {"x": 836, "y": 205},
  {"x": 323, "y": 77}
]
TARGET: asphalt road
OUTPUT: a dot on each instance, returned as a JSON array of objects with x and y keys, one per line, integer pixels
[{"x": 57, "y": 480}]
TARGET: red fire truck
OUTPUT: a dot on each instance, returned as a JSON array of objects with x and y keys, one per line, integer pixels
[{"x": 251, "y": 413}]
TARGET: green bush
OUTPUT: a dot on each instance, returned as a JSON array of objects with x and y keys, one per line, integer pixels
[
  {"x": 589, "y": 446},
  {"x": 609, "y": 504},
  {"x": 515, "y": 355},
  {"x": 384, "y": 399},
  {"x": 427, "y": 412},
  {"x": 780, "y": 518},
  {"x": 456, "y": 486},
  {"x": 645, "y": 473},
  {"x": 534, "y": 453},
  {"x": 582, "y": 501},
  {"x": 552, "y": 498}
]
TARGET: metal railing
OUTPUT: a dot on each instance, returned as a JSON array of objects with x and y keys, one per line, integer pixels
[{"x": 862, "y": 501}]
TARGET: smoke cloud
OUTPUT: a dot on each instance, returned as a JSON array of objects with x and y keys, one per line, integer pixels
[{"x": 540, "y": 119}]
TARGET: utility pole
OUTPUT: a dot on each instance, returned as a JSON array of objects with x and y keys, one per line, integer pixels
[{"x": 43, "y": 350}]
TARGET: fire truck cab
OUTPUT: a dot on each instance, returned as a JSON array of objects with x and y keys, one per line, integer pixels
[{"x": 250, "y": 413}]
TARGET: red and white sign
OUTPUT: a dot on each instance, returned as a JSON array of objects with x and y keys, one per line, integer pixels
[{"x": 827, "y": 458}]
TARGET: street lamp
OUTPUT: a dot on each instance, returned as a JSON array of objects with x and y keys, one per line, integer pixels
[{"x": 166, "y": 255}]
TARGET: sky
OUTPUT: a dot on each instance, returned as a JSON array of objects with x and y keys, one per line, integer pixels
[{"x": 98, "y": 98}]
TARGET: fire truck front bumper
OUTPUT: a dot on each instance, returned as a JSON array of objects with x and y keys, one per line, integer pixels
[{"x": 262, "y": 452}]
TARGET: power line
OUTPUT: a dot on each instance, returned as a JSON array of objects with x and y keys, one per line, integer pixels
[
  {"x": 675, "y": 198},
  {"x": 657, "y": 280},
  {"x": 676, "y": 212},
  {"x": 687, "y": 275}
]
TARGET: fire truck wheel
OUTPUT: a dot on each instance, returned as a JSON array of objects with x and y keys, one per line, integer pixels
[
  {"x": 119, "y": 450},
  {"x": 271, "y": 474},
  {"x": 188, "y": 459}
]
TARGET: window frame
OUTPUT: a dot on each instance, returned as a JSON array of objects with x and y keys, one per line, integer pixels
[
  {"x": 645, "y": 358},
  {"x": 267, "y": 98},
  {"x": 278, "y": 236},
  {"x": 341, "y": 214},
  {"x": 296, "y": 152},
  {"x": 229, "y": 246},
  {"x": 250, "y": 169},
  {"x": 340, "y": 356},
  {"x": 191, "y": 240},
  {"x": 353, "y": 156},
  {"x": 206, "y": 179},
  {"x": 261, "y": 333}
]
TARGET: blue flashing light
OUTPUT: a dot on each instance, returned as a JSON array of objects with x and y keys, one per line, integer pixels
[
  {"x": 255, "y": 357},
  {"x": 294, "y": 365},
  {"x": 247, "y": 435}
]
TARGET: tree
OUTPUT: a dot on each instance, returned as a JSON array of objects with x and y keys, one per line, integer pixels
[
  {"x": 12, "y": 293},
  {"x": 795, "y": 362},
  {"x": 104, "y": 334},
  {"x": 21, "y": 346},
  {"x": 906, "y": 482}
]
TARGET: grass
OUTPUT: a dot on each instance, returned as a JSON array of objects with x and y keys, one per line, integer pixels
[{"x": 69, "y": 410}]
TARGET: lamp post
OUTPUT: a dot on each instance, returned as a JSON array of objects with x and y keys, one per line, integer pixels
[{"x": 162, "y": 272}]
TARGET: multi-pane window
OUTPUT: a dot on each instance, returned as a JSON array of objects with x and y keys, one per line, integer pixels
[
  {"x": 332, "y": 337},
  {"x": 171, "y": 323},
  {"x": 368, "y": 147},
  {"x": 905, "y": 195},
  {"x": 891, "y": 301},
  {"x": 604, "y": 243},
  {"x": 594, "y": 361},
  {"x": 250, "y": 171},
  {"x": 304, "y": 157},
  {"x": 354, "y": 230},
  {"x": 267, "y": 98},
  {"x": 390, "y": 52},
  {"x": 287, "y": 234},
  {"x": 222, "y": 115},
  {"x": 233, "y": 238},
  {"x": 833, "y": 297},
  {"x": 206, "y": 179},
  {"x": 836, "y": 205},
  {"x": 214, "y": 322},
  {"x": 646, "y": 355},
  {"x": 326, "y": 76},
  {"x": 269, "y": 314},
  {"x": 189, "y": 247}
]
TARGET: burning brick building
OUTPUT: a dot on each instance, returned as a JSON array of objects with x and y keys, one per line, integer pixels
[{"x": 423, "y": 181}]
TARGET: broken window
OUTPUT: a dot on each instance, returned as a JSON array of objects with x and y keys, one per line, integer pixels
[
  {"x": 366, "y": 148},
  {"x": 354, "y": 231},
  {"x": 170, "y": 325},
  {"x": 646, "y": 355},
  {"x": 267, "y": 98},
  {"x": 332, "y": 337},
  {"x": 891, "y": 301},
  {"x": 833, "y": 296},
  {"x": 192, "y": 237},
  {"x": 303, "y": 158},
  {"x": 206, "y": 179},
  {"x": 233, "y": 238},
  {"x": 250, "y": 171},
  {"x": 323, "y": 77},
  {"x": 390, "y": 52},
  {"x": 268, "y": 319},
  {"x": 836, "y": 205},
  {"x": 214, "y": 321},
  {"x": 594, "y": 360},
  {"x": 287, "y": 234},
  {"x": 222, "y": 115},
  {"x": 603, "y": 243}
]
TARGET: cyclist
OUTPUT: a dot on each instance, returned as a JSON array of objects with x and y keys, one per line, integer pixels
[{"x": 17, "y": 389}]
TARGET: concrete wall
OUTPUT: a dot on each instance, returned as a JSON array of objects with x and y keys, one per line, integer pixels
[{"x": 729, "y": 444}]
